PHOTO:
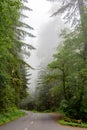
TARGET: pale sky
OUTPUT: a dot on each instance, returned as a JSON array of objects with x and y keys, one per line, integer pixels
[
  {"x": 40, "y": 13},
  {"x": 37, "y": 18},
  {"x": 46, "y": 31}
]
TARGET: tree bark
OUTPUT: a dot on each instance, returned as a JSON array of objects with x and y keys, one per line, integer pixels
[
  {"x": 83, "y": 25},
  {"x": 64, "y": 86}
]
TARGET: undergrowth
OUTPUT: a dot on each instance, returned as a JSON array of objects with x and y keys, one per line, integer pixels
[
  {"x": 10, "y": 116},
  {"x": 62, "y": 122}
]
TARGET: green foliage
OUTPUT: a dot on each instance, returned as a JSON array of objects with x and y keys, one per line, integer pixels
[
  {"x": 13, "y": 73},
  {"x": 12, "y": 115},
  {"x": 7, "y": 99},
  {"x": 83, "y": 125},
  {"x": 63, "y": 84},
  {"x": 65, "y": 80}
]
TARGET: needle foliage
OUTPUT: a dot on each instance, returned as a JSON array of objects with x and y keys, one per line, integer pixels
[{"x": 13, "y": 82}]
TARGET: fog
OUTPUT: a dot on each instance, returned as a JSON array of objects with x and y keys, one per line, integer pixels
[
  {"x": 47, "y": 30},
  {"x": 48, "y": 40}
]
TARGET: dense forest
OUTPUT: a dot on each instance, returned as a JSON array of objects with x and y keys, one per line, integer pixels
[
  {"x": 62, "y": 85},
  {"x": 13, "y": 69}
]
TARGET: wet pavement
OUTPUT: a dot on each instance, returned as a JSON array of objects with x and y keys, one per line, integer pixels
[{"x": 37, "y": 121}]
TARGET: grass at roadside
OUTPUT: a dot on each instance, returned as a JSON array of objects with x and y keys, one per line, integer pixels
[
  {"x": 62, "y": 122},
  {"x": 7, "y": 117}
]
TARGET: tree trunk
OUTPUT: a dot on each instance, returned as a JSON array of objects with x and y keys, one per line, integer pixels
[
  {"x": 83, "y": 25},
  {"x": 64, "y": 86}
]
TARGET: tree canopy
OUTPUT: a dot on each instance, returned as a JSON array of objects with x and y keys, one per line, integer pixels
[{"x": 13, "y": 72}]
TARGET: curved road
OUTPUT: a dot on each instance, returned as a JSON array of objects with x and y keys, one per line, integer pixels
[{"x": 37, "y": 121}]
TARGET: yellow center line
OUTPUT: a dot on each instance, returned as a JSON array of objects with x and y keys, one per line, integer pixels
[
  {"x": 32, "y": 122},
  {"x": 26, "y": 128}
]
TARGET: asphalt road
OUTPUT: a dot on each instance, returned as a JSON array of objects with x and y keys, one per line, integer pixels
[{"x": 36, "y": 121}]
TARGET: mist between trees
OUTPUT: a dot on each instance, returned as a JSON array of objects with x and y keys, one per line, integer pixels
[{"x": 62, "y": 85}]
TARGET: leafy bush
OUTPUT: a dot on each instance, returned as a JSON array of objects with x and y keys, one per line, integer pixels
[{"x": 83, "y": 125}]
